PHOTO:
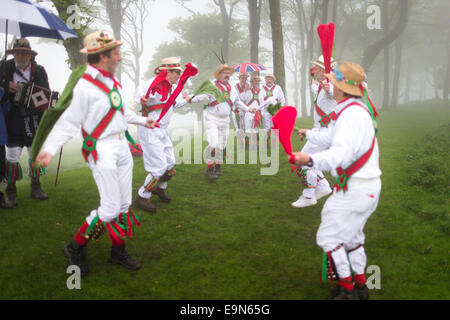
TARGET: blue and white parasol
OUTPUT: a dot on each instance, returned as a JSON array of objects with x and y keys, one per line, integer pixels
[{"x": 23, "y": 18}]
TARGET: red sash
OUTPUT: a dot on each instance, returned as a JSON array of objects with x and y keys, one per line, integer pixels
[
  {"x": 147, "y": 109},
  {"x": 344, "y": 175},
  {"x": 90, "y": 140},
  {"x": 258, "y": 116}
]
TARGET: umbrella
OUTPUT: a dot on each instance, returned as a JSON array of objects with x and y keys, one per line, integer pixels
[
  {"x": 248, "y": 67},
  {"x": 23, "y": 19}
]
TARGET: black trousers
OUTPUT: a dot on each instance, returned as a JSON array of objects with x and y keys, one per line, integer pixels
[{"x": 2, "y": 162}]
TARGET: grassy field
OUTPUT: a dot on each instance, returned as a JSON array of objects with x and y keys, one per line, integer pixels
[{"x": 238, "y": 237}]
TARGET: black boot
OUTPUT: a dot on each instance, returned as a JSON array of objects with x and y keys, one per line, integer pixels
[
  {"x": 362, "y": 291},
  {"x": 120, "y": 256},
  {"x": 211, "y": 174},
  {"x": 77, "y": 256},
  {"x": 11, "y": 193},
  {"x": 346, "y": 295},
  {"x": 161, "y": 193},
  {"x": 4, "y": 203},
  {"x": 36, "y": 191},
  {"x": 144, "y": 204},
  {"x": 218, "y": 170}
]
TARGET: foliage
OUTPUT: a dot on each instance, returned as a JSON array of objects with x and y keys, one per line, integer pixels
[
  {"x": 238, "y": 237},
  {"x": 197, "y": 38},
  {"x": 273, "y": 108}
]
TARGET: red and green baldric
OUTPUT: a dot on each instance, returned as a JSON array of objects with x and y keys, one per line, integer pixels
[
  {"x": 269, "y": 92},
  {"x": 254, "y": 98},
  {"x": 147, "y": 109},
  {"x": 226, "y": 92},
  {"x": 325, "y": 119},
  {"x": 344, "y": 175},
  {"x": 90, "y": 140}
]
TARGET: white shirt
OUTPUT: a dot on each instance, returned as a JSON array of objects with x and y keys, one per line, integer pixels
[
  {"x": 26, "y": 74},
  {"x": 154, "y": 99},
  {"x": 261, "y": 103},
  {"x": 349, "y": 139},
  {"x": 278, "y": 95},
  {"x": 89, "y": 106},
  {"x": 325, "y": 101},
  {"x": 222, "y": 109},
  {"x": 245, "y": 95}
]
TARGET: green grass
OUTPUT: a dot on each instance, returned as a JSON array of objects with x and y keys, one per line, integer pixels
[{"x": 238, "y": 237}]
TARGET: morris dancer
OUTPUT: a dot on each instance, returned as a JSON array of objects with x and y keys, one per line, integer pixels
[
  {"x": 244, "y": 93},
  {"x": 159, "y": 158},
  {"x": 217, "y": 119},
  {"x": 352, "y": 157},
  {"x": 314, "y": 184},
  {"x": 275, "y": 93},
  {"x": 97, "y": 108}
]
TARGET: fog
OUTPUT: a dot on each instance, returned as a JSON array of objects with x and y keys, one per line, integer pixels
[{"x": 412, "y": 67}]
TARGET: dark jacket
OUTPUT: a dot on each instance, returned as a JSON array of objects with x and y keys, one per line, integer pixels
[{"x": 21, "y": 128}]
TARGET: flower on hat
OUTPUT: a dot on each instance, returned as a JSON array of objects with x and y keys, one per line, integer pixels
[{"x": 339, "y": 75}]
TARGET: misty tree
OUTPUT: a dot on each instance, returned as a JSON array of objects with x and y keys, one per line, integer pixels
[
  {"x": 226, "y": 15},
  {"x": 116, "y": 10},
  {"x": 86, "y": 18},
  {"x": 133, "y": 36},
  {"x": 197, "y": 39},
  {"x": 254, "y": 26},
  {"x": 377, "y": 46},
  {"x": 277, "y": 43}
]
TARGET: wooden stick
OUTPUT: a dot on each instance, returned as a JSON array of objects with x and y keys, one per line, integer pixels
[{"x": 59, "y": 165}]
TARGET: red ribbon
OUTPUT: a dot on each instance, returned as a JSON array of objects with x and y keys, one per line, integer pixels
[{"x": 189, "y": 71}]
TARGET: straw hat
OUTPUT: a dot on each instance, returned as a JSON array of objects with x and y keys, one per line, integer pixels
[
  {"x": 171, "y": 63},
  {"x": 348, "y": 78},
  {"x": 221, "y": 68},
  {"x": 321, "y": 64},
  {"x": 270, "y": 75},
  {"x": 22, "y": 45},
  {"x": 99, "y": 41}
]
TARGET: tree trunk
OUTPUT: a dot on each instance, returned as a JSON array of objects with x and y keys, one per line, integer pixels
[
  {"x": 225, "y": 29},
  {"x": 116, "y": 10},
  {"x": 277, "y": 42},
  {"x": 375, "y": 48},
  {"x": 72, "y": 45},
  {"x": 409, "y": 76},
  {"x": 447, "y": 80},
  {"x": 324, "y": 18},
  {"x": 254, "y": 10},
  {"x": 312, "y": 32},
  {"x": 397, "y": 71},
  {"x": 387, "y": 65}
]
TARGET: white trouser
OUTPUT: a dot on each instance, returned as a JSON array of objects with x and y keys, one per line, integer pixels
[
  {"x": 217, "y": 130},
  {"x": 158, "y": 156},
  {"x": 250, "y": 123},
  {"x": 344, "y": 216},
  {"x": 113, "y": 175},
  {"x": 315, "y": 178},
  {"x": 267, "y": 120},
  {"x": 241, "y": 120},
  {"x": 13, "y": 154}
]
